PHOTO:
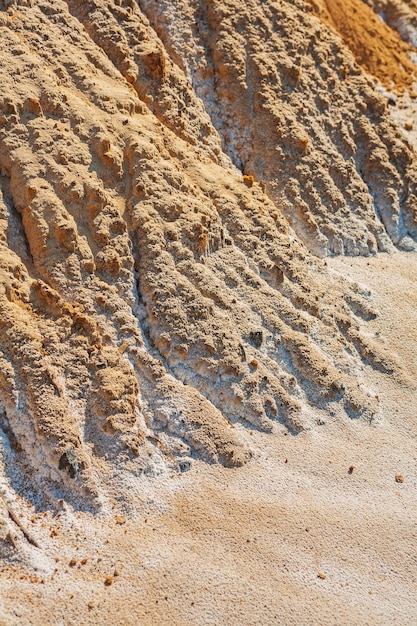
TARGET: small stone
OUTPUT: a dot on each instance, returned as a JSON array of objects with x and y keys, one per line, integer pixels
[
  {"x": 108, "y": 581},
  {"x": 120, "y": 519},
  {"x": 73, "y": 562},
  {"x": 256, "y": 337},
  {"x": 69, "y": 461},
  {"x": 399, "y": 478},
  {"x": 321, "y": 575},
  {"x": 351, "y": 469},
  {"x": 184, "y": 465}
]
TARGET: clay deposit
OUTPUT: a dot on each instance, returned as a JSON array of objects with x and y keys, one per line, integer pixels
[{"x": 176, "y": 179}]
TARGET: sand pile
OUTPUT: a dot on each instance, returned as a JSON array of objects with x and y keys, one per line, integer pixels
[
  {"x": 173, "y": 176},
  {"x": 152, "y": 293}
]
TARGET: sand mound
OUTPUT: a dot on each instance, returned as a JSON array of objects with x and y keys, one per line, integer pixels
[
  {"x": 166, "y": 172},
  {"x": 174, "y": 176}
]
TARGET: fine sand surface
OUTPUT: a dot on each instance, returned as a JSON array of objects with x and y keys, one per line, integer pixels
[{"x": 292, "y": 537}]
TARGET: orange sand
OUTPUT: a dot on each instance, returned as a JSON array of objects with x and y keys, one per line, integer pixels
[{"x": 375, "y": 46}]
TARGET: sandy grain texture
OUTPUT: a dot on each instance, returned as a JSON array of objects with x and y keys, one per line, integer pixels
[
  {"x": 314, "y": 530},
  {"x": 175, "y": 178}
]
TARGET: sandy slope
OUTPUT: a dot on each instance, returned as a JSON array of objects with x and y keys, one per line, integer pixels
[
  {"x": 216, "y": 546},
  {"x": 161, "y": 213},
  {"x": 186, "y": 375}
]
